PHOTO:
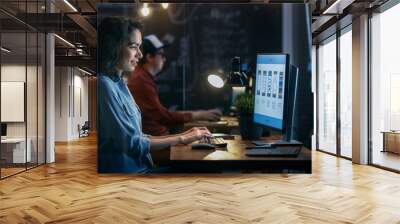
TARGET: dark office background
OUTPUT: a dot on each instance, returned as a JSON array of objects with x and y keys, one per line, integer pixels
[{"x": 205, "y": 38}]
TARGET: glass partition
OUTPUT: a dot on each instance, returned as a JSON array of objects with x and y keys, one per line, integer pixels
[
  {"x": 13, "y": 109},
  {"x": 327, "y": 96},
  {"x": 346, "y": 93},
  {"x": 22, "y": 89},
  {"x": 385, "y": 89}
]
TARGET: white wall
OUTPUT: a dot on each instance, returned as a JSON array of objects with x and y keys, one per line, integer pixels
[
  {"x": 61, "y": 103},
  {"x": 71, "y": 94},
  {"x": 16, "y": 72},
  {"x": 13, "y": 72},
  {"x": 80, "y": 112},
  {"x": 33, "y": 127}
]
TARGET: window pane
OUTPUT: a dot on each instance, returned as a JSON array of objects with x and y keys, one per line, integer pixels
[
  {"x": 327, "y": 97},
  {"x": 15, "y": 150},
  {"x": 346, "y": 94},
  {"x": 385, "y": 84}
]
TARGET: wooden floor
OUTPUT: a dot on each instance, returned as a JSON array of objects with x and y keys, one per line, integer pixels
[
  {"x": 5, "y": 172},
  {"x": 71, "y": 191},
  {"x": 386, "y": 159}
]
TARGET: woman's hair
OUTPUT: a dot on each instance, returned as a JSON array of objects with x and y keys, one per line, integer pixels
[{"x": 111, "y": 33}]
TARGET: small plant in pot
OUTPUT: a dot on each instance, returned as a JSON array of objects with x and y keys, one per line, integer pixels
[{"x": 244, "y": 104}]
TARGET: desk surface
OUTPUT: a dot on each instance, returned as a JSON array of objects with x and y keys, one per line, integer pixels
[
  {"x": 234, "y": 155},
  {"x": 224, "y": 125},
  {"x": 390, "y": 132},
  {"x": 13, "y": 140}
]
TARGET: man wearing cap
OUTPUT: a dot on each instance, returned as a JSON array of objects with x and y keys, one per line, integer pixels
[{"x": 158, "y": 120}]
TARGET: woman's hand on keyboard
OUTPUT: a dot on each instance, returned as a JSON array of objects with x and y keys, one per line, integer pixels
[{"x": 194, "y": 134}]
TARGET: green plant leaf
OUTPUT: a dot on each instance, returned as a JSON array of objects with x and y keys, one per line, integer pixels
[{"x": 244, "y": 103}]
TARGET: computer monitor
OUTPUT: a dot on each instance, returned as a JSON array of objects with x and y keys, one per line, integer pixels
[
  {"x": 275, "y": 94},
  {"x": 3, "y": 130},
  {"x": 291, "y": 103},
  {"x": 270, "y": 91}
]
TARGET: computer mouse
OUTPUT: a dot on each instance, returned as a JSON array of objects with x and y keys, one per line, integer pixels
[{"x": 202, "y": 146}]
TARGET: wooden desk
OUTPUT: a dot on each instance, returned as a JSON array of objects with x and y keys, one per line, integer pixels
[
  {"x": 233, "y": 156},
  {"x": 225, "y": 125},
  {"x": 13, "y": 150},
  {"x": 391, "y": 141}
]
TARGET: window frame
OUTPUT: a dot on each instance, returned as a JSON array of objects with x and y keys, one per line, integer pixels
[
  {"x": 379, "y": 10},
  {"x": 334, "y": 37}
]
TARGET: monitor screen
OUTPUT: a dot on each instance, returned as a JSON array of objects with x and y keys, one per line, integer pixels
[{"x": 270, "y": 88}]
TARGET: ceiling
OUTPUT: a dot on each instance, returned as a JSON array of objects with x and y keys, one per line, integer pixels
[{"x": 76, "y": 22}]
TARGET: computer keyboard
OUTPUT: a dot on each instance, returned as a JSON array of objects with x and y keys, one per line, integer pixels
[
  {"x": 278, "y": 152},
  {"x": 218, "y": 142}
]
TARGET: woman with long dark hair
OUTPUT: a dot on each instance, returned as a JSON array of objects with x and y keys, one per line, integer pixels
[{"x": 122, "y": 146}]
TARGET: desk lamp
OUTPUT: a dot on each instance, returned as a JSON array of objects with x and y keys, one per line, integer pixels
[{"x": 236, "y": 78}]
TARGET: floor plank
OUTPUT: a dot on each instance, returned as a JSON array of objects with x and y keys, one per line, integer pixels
[
  {"x": 386, "y": 159},
  {"x": 71, "y": 191}
]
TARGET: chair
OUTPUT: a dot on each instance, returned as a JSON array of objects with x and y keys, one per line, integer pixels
[{"x": 84, "y": 130}]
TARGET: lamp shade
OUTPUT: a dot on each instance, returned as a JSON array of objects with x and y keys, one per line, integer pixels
[{"x": 216, "y": 81}]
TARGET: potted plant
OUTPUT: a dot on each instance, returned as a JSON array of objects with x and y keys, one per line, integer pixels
[{"x": 244, "y": 104}]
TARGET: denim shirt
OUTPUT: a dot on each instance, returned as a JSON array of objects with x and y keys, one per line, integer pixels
[{"x": 122, "y": 146}]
